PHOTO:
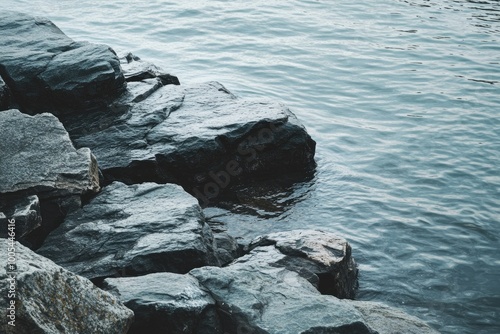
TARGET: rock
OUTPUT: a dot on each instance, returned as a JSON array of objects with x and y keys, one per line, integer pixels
[
  {"x": 135, "y": 69},
  {"x": 26, "y": 214},
  {"x": 387, "y": 320},
  {"x": 4, "y": 96},
  {"x": 133, "y": 230},
  {"x": 50, "y": 299},
  {"x": 263, "y": 299},
  {"x": 47, "y": 71},
  {"x": 202, "y": 137},
  {"x": 166, "y": 303},
  {"x": 321, "y": 257},
  {"x": 38, "y": 158},
  {"x": 226, "y": 246}
]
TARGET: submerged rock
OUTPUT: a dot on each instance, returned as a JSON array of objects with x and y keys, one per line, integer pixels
[
  {"x": 166, "y": 303},
  {"x": 38, "y": 158},
  {"x": 50, "y": 299},
  {"x": 202, "y": 137},
  {"x": 48, "y": 71},
  {"x": 264, "y": 299},
  {"x": 321, "y": 257},
  {"x": 133, "y": 230}
]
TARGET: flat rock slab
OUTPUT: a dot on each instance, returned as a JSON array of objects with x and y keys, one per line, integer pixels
[
  {"x": 166, "y": 302},
  {"x": 322, "y": 257},
  {"x": 48, "y": 71},
  {"x": 264, "y": 299},
  {"x": 202, "y": 137},
  {"x": 50, "y": 299},
  {"x": 39, "y": 158},
  {"x": 133, "y": 230}
]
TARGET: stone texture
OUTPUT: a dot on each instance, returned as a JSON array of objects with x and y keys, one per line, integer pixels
[
  {"x": 51, "y": 299},
  {"x": 133, "y": 230},
  {"x": 135, "y": 69},
  {"x": 47, "y": 71},
  {"x": 321, "y": 257},
  {"x": 4, "y": 95},
  {"x": 387, "y": 320},
  {"x": 25, "y": 212},
  {"x": 202, "y": 137},
  {"x": 166, "y": 303},
  {"x": 264, "y": 299},
  {"x": 38, "y": 158}
]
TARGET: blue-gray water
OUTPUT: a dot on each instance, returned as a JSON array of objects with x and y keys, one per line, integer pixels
[{"x": 403, "y": 99}]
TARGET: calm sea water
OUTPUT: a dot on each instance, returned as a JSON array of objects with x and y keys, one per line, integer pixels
[{"x": 403, "y": 99}]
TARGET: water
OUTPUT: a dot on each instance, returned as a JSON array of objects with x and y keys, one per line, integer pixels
[{"x": 403, "y": 99}]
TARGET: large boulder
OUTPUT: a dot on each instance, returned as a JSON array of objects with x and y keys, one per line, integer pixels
[
  {"x": 166, "y": 303},
  {"x": 133, "y": 230},
  {"x": 50, "y": 299},
  {"x": 321, "y": 257},
  {"x": 48, "y": 71},
  {"x": 263, "y": 299},
  {"x": 38, "y": 158},
  {"x": 202, "y": 137}
]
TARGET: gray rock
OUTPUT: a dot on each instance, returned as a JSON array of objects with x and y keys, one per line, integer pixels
[
  {"x": 264, "y": 299},
  {"x": 387, "y": 320},
  {"x": 133, "y": 230},
  {"x": 26, "y": 214},
  {"x": 226, "y": 246},
  {"x": 48, "y": 71},
  {"x": 135, "y": 69},
  {"x": 166, "y": 303},
  {"x": 321, "y": 257},
  {"x": 4, "y": 95},
  {"x": 38, "y": 158},
  {"x": 50, "y": 299},
  {"x": 202, "y": 137}
]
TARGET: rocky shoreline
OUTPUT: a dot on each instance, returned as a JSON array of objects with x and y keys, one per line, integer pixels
[{"x": 106, "y": 164}]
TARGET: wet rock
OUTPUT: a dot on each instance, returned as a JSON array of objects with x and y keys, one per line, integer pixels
[
  {"x": 321, "y": 257},
  {"x": 135, "y": 69},
  {"x": 26, "y": 214},
  {"x": 133, "y": 230},
  {"x": 387, "y": 320},
  {"x": 166, "y": 303},
  {"x": 226, "y": 246},
  {"x": 202, "y": 137},
  {"x": 38, "y": 158},
  {"x": 264, "y": 299},
  {"x": 47, "y": 71},
  {"x": 4, "y": 95},
  {"x": 50, "y": 299}
]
